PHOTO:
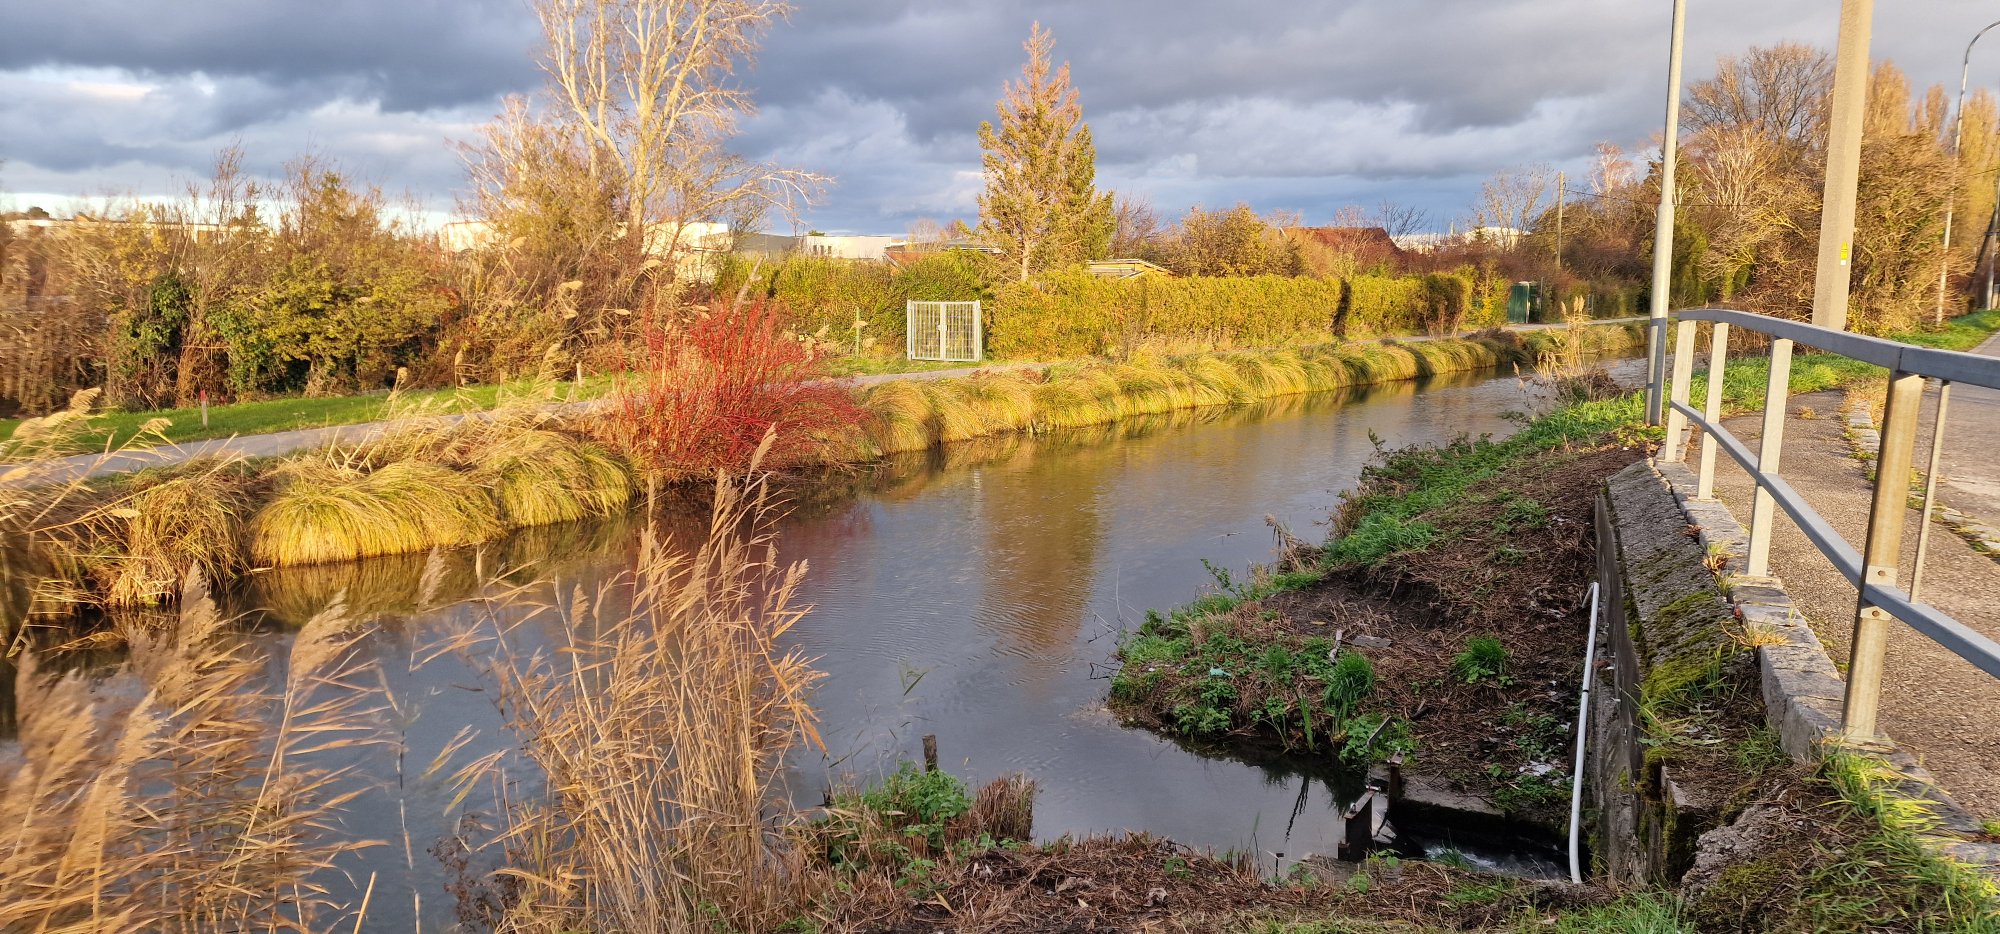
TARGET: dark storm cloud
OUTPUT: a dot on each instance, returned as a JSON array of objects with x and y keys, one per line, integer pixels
[
  {"x": 406, "y": 54},
  {"x": 1304, "y": 105}
]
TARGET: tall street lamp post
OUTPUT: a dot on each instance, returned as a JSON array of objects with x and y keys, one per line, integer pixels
[
  {"x": 1957, "y": 139},
  {"x": 1663, "y": 234}
]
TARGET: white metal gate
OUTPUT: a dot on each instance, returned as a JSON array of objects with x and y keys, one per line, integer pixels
[{"x": 944, "y": 331}]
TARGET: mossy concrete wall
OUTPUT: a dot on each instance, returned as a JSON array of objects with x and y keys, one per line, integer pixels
[
  {"x": 1661, "y": 554},
  {"x": 1660, "y": 610}
]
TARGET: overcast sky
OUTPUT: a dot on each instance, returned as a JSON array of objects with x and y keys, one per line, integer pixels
[{"x": 1304, "y": 105}]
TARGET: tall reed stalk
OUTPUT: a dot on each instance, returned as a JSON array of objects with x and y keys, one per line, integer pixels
[
  {"x": 661, "y": 731},
  {"x": 183, "y": 792}
]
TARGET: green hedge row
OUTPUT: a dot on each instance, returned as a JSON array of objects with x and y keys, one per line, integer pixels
[
  {"x": 824, "y": 296},
  {"x": 1071, "y": 314}
]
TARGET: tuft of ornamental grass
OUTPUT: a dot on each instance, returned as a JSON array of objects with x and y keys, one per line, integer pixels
[
  {"x": 1276, "y": 373},
  {"x": 1324, "y": 371},
  {"x": 953, "y": 417},
  {"x": 1221, "y": 379},
  {"x": 899, "y": 417},
  {"x": 1002, "y": 402},
  {"x": 1150, "y": 389},
  {"x": 1074, "y": 397},
  {"x": 175, "y": 523},
  {"x": 1381, "y": 363},
  {"x": 541, "y": 477},
  {"x": 324, "y": 511}
]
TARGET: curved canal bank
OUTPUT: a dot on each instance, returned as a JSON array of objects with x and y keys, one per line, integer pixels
[{"x": 971, "y": 592}]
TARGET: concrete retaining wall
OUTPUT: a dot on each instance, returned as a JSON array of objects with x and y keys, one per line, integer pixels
[{"x": 1661, "y": 553}]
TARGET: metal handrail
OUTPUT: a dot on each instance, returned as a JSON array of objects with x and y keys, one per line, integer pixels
[
  {"x": 1954, "y": 365},
  {"x": 1872, "y": 569}
]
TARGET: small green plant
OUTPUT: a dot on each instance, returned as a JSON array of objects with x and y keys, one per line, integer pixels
[
  {"x": 1478, "y": 892},
  {"x": 1209, "y": 711},
  {"x": 1484, "y": 657},
  {"x": 1636, "y": 913},
  {"x": 1760, "y": 751},
  {"x": 1521, "y": 513},
  {"x": 1223, "y": 580},
  {"x": 1368, "y": 741},
  {"x": 911, "y": 804},
  {"x": 1520, "y": 791},
  {"x": 1348, "y": 683},
  {"x": 1452, "y": 858}
]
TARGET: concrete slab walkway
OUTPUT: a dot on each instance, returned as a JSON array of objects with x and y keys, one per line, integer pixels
[{"x": 1935, "y": 704}]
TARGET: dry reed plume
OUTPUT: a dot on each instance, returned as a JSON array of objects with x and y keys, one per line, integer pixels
[
  {"x": 180, "y": 793},
  {"x": 660, "y": 731}
]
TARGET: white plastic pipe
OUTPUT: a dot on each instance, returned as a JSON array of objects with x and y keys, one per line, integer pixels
[{"x": 1582, "y": 723}]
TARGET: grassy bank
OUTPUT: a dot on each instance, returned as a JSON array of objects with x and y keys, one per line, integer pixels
[
  {"x": 1446, "y": 605},
  {"x": 1443, "y": 621},
  {"x": 906, "y": 416},
  {"x": 128, "y": 540},
  {"x": 1424, "y": 550},
  {"x": 118, "y": 428}
]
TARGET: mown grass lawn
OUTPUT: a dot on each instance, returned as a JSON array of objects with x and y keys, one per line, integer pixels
[
  {"x": 273, "y": 415},
  {"x": 288, "y": 414}
]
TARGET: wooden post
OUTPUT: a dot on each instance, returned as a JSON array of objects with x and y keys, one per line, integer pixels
[{"x": 930, "y": 753}]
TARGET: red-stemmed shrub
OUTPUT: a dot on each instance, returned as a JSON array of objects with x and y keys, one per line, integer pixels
[{"x": 708, "y": 388}]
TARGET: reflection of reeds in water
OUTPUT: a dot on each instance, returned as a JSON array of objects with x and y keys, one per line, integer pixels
[
  {"x": 660, "y": 732},
  {"x": 187, "y": 803},
  {"x": 411, "y": 583}
]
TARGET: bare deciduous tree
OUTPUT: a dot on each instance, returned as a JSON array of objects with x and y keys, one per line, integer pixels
[
  {"x": 1400, "y": 220},
  {"x": 1514, "y": 197},
  {"x": 1135, "y": 228},
  {"x": 650, "y": 88},
  {"x": 1780, "y": 92}
]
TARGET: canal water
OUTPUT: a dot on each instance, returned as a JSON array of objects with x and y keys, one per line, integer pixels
[{"x": 975, "y": 593}]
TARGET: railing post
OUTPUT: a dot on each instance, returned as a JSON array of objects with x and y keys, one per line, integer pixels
[
  {"x": 1770, "y": 449},
  {"x": 1711, "y": 410},
  {"x": 1930, "y": 490},
  {"x": 1881, "y": 554},
  {"x": 1676, "y": 443}
]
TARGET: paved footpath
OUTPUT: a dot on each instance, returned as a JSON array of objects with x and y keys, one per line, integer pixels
[
  {"x": 286, "y": 442},
  {"x": 1969, "y": 468},
  {"x": 1934, "y": 703}
]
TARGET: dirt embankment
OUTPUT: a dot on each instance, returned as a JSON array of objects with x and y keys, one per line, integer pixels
[{"x": 1452, "y": 633}]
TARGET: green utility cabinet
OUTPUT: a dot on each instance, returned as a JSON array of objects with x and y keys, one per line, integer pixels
[{"x": 1524, "y": 303}]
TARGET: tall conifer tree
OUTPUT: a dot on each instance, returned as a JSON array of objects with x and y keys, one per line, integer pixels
[{"x": 1041, "y": 207}]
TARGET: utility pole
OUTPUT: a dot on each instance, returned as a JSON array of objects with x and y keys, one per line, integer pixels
[
  {"x": 1559, "y": 221},
  {"x": 1957, "y": 167},
  {"x": 1843, "y": 166},
  {"x": 1663, "y": 233}
]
